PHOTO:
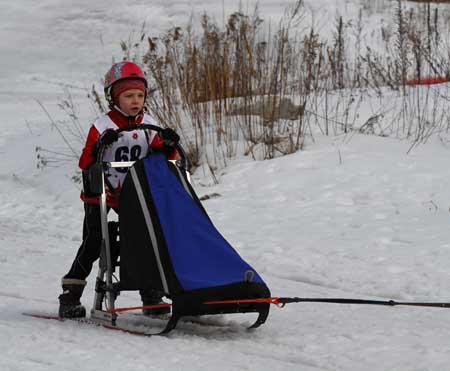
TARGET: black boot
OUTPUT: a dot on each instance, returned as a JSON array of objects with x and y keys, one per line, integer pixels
[
  {"x": 69, "y": 301},
  {"x": 153, "y": 297}
]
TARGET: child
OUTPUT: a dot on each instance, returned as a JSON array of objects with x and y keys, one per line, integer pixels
[{"x": 126, "y": 92}]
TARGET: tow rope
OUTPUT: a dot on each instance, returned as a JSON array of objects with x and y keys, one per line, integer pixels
[{"x": 282, "y": 301}]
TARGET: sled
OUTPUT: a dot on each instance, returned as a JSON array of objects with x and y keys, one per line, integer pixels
[
  {"x": 139, "y": 324},
  {"x": 168, "y": 243}
]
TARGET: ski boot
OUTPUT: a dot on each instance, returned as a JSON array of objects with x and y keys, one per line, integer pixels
[
  {"x": 153, "y": 297},
  {"x": 69, "y": 301}
]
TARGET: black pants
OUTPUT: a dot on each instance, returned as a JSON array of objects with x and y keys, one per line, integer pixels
[{"x": 89, "y": 250}]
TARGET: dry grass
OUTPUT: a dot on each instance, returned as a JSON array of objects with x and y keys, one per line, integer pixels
[{"x": 248, "y": 88}]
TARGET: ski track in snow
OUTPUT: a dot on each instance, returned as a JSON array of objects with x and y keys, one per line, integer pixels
[{"x": 348, "y": 217}]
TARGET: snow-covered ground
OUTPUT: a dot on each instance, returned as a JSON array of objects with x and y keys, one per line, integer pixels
[
  {"x": 352, "y": 216},
  {"x": 345, "y": 218}
]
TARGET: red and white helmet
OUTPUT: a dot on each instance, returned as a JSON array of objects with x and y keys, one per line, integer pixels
[{"x": 121, "y": 71}]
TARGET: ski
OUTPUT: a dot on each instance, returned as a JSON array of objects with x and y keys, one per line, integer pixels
[{"x": 87, "y": 321}]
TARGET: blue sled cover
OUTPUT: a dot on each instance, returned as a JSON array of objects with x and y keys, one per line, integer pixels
[{"x": 168, "y": 242}]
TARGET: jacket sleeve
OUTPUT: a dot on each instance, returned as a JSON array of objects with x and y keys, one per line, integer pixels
[
  {"x": 87, "y": 157},
  {"x": 158, "y": 143}
]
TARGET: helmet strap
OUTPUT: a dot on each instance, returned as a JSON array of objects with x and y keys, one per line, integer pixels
[{"x": 117, "y": 108}]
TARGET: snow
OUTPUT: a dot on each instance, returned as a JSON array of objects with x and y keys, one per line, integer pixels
[{"x": 350, "y": 216}]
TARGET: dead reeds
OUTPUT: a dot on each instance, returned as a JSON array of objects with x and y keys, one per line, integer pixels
[{"x": 250, "y": 88}]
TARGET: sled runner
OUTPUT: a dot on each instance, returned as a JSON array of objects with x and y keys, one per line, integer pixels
[
  {"x": 86, "y": 321},
  {"x": 167, "y": 242},
  {"x": 139, "y": 324}
]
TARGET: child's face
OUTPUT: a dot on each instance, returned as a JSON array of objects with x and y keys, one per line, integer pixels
[{"x": 131, "y": 101}]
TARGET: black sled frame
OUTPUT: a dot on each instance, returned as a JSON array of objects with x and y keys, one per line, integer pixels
[{"x": 106, "y": 291}]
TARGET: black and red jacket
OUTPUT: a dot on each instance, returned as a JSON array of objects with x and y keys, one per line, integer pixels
[{"x": 131, "y": 146}]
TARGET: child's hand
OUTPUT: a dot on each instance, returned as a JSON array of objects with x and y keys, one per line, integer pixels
[
  {"x": 169, "y": 137},
  {"x": 109, "y": 136}
]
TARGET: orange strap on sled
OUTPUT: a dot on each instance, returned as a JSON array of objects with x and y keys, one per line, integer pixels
[{"x": 155, "y": 306}]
